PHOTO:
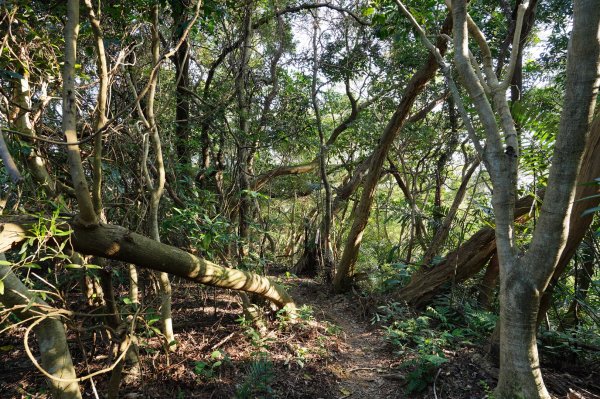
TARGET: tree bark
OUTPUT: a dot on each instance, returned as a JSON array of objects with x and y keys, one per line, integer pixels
[
  {"x": 586, "y": 197},
  {"x": 444, "y": 159},
  {"x": 522, "y": 281},
  {"x": 50, "y": 333},
  {"x": 119, "y": 243},
  {"x": 244, "y": 145},
  {"x": 343, "y": 275},
  {"x": 181, "y": 59},
  {"x": 69, "y": 116},
  {"x": 21, "y": 121},
  {"x": 157, "y": 188},
  {"x": 11, "y": 167},
  {"x": 459, "y": 265},
  {"x": 100, "y": 117}
]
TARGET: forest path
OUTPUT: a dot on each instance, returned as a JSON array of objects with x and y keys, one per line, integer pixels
[{"x": 363, "y": 363}]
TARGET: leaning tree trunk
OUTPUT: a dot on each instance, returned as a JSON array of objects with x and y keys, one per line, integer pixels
[
  {"x": 119, "y": 243},
  {"x": 586, "y": 198},
  {"x": 459, "y": 265},
  {"x": 343, "y": 274},
  {"x": 52, "y": 340}
]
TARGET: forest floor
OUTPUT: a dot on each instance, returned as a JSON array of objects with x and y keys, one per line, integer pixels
[{"x": 333, "y": 351}]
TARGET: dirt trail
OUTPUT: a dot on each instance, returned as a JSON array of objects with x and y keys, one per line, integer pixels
[
  {"x": 363, "y": 364},
  {"x": 364, "y": 367}
]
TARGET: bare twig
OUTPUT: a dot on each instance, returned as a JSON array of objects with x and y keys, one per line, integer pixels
[{"x": 9, "y": 163}]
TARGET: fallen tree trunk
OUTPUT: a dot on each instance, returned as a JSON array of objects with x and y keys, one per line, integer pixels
[
  {"x": 119, "y": 243},
  {"x": 459, "y": 265},
  {"x": 472, "y": 256}
]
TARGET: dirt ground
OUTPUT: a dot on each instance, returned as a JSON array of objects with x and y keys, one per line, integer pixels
[{"x": 332, "y": 352}]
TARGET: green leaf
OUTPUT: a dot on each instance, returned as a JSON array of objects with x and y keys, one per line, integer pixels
[
  {"x": 156, "y": 330},
  {"x": 590, "y": 211},
  {"x": 5, "y": 263},
  {"x": 10, "y": 74},
  {"x": 435, "y": 360},
  {"x": 23, "y": 249},
  {"x": 61, "y": 233},
  {"x": 1, "y": 287}
]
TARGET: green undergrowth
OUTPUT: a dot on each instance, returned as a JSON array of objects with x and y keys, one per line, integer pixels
[
  {"x": 423, "y": 340},
  {"x": 291, "y": 341}
]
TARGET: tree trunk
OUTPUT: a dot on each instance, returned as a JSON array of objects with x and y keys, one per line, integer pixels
[
  {"x": 134, "y": 282},
  {"x": 443, "y": 161},
  {"x": 520, "y": 373},
  {"x": 157, "y": 188},
  {"x": 459, "y": 265},
  {"x": 244, "y": 152},
  {"x": 21, "y": 121},
  {"x": 343, "y": 275},
  {"x": 119, "y": 243},
  {"x": 443, "y": 230},
  {"x": 466, "y": 261},
  {"x": 181, "y": 59},
  {"x": 522, "y": 281},
  {"x": 583, "y": 280},
  {"x": 323, "y": 240},
  {"x": 87, "y": 213},
  {"x": 52, "y": 340},
  {"x": 586, "y": 197},
  {"x": 308, "y": 264},
  {"x": 488, "y": 283}
]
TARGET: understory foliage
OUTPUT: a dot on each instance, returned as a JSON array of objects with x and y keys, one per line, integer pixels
[{"x": 422, "y": 340}]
